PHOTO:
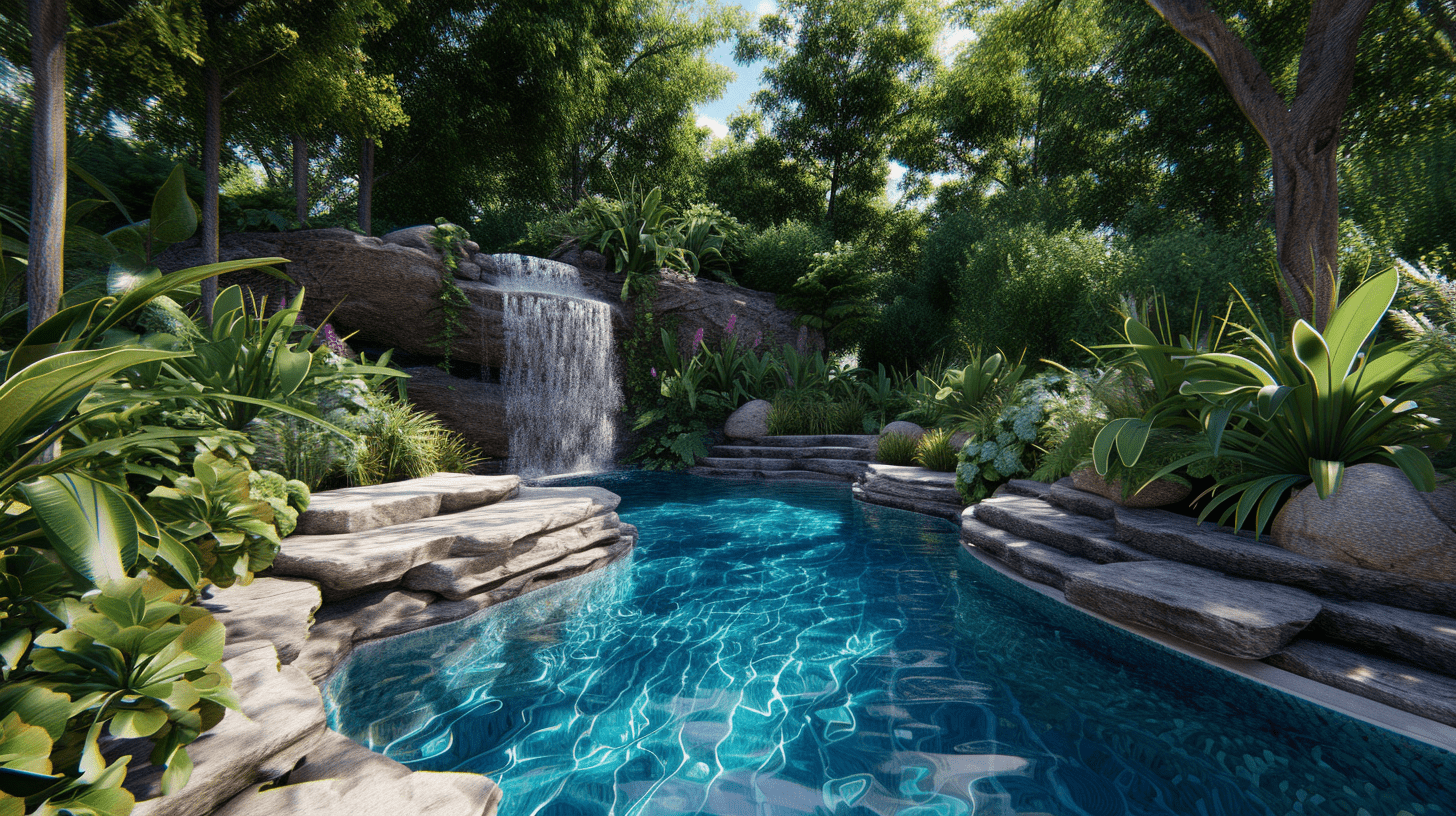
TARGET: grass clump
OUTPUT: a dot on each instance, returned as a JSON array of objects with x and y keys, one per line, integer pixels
[
  {"x": 809, "y": 414},
  {"x": 934, "y": 451},
  {"x": 397, "y": 442},
  {"x": 896, "y": 449}
]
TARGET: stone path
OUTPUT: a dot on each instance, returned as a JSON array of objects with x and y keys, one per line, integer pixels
[
  {"x": 832, "y": 458},
  {"x": 1386, "y": 638}
]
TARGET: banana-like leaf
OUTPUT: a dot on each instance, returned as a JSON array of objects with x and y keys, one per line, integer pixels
[
  {"x": 1313, "y": 355},
  {"x": 88, "y": 523},
  {"x": 1357, "y": 317},
  {"x": 173, "y": 218}
]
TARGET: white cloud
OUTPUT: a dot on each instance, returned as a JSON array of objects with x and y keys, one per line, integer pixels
[
  {"x": 764, "y": 7},
  {"x": 719, "y": 129},
  {"x": 951, "y": 41}
]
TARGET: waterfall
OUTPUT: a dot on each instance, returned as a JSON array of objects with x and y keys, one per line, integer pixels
[{"x": 560, "y": 380}]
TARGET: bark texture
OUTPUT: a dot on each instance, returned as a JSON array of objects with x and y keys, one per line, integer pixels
[
  {"x": 1303, "y": 136},
  {"x": 211, "y": 159},
  {"x": 47, "y": 159}
]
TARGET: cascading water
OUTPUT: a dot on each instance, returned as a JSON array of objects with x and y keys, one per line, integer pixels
[{"x": 561, "y": 389}]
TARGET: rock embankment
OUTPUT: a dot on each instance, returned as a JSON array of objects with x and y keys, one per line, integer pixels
[{"x": 369, "y": 562}]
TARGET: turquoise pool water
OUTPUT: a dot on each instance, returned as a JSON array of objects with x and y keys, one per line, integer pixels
[{"x": 774, "y": 649}]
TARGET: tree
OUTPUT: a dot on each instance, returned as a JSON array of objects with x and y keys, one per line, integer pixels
[
  {"x": 48, "y": 24},
  {"x": 750, "y": 174},
  {"x": 1303, "y": 136},
  {"x": 841, "y": 80}
]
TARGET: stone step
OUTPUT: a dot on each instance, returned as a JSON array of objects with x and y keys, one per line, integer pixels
[
  {"x": 925, "y": 506},
  {"x": 1064, "y": 494},
  {"x": 282, "y": 720},
  {"x": 268, "y": 613},
  {"x": 456, "y": 578},
  {"x": 768, "y": 475},
  {"x": 358, "y": 509},
  {"x": 913, "y": 483},
  {"x": 352, "y": 563},
  {"x": 1025, "y": 487},
  {"x": 1035, "y": 520},
  {"x": 848, "y": 469},
  {"x": 868, "y": 441},
  {"x": 1030, "y": 560},
  {"x": 1419, "y": 638},
  {"x": 1178, "y": 538},
  {"x": 1398, "y": 685},
  {"x": 1249, "y": 619},
  {"x": 807, "y": 452}
]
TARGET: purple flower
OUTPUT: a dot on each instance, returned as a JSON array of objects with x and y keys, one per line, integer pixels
[
  {"x": 757, "y": 338},
  {"x": 333, "y": 341},
  {"x": 732, "y": 321},
  {"x": 697, "y": 339},
  {"x": 654, "y": 372}
]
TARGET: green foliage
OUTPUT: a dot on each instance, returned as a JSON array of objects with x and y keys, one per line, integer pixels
[
  {"x": 450, "y": 240},
  {"x": 775, "y": 259},
  {"x": 834, "y": 296},
  {"x": 1290, "y": 411},
  {"x": 1003, "y": 439},
  {"x": 898, "y": 449},
  {"x": 933, "y": 451},
  {"x": 395, "y": 442},
  {"x": 795, "y": 413},
  {"x": 637, "y": 233},
  {"x": 751, "y": 175},
  {"x": 1201, "y": 266}
]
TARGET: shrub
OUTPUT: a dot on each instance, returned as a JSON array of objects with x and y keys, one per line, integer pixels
[
  {"x": 1003, "y": 437},
  {"x": 934, "y": 451},
  {"x": 775, "y": 259},
  {"x": 896, "y": 449},
  {"x": 1198, "y": 265},
  {"x": 396, "y": 442},
  {"x": 810, "y": 414}
]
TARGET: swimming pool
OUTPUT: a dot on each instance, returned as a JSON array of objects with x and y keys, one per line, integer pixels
[{"x": 781, "y": 649}]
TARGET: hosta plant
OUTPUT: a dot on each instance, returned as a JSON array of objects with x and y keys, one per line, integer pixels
[{"x": 1297, "y": 409}]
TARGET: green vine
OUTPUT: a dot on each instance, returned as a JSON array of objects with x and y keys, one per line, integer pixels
[{"x": 450, "y": 240}]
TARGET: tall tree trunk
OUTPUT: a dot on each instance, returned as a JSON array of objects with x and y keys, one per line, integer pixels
[
  {"x": 47, "y": 159},
  {"x": 300, "y": 179},
  {"x": 833, "y": 193},
  {"x": 1303, "y": 137},
  {"x": 366, "y": 187},
  {"x": 211, "y": 159}
]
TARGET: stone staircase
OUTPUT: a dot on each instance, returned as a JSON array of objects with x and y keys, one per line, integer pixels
[
  {"x": 1388, "y": 638},
  {"x": 832, "y": 458},
  {"x": 911, "y": 488}
]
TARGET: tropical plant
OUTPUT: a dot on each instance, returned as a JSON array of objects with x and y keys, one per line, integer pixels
[
  {"x": 933, "y": 451},
  {"x": 393, "y": 442},
  {"x": 1293, "y": 411},
  {"x": 896, "y": 449},
  {"x": 636, "y": 232},
  {"x": 793, "y": 413},
  {"x": 1004, "y": 436}
]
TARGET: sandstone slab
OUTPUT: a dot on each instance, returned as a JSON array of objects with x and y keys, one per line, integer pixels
[
  {"x": 357, "y": 509},
  {"x": 351, "y": 563},
  {"x": 1377, "y": 520},
  {"x": 1240, "y": 618},
  {"x": 268, "y": 613},
  {"x": 750, "y": 421},
  {"x": 422, "y": 792},
  {"x": 1395, "y": 684},
  {"x": 455, "y": 578},
  {"x": 282, "y": 718}
]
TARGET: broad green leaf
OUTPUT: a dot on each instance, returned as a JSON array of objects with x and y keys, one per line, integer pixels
[
  {"x": 1355, "y": 319},
  {"x": 1106, "y": 439},
  {"x": 1131, "y": 440},
  {"x": 87, "y": 523},
  {"x": 173, "y": 218},
  {"x": 1327, "y": 475},
  {"x": 1314, "y": 356},
  {"x": 1413, "y": 462}
]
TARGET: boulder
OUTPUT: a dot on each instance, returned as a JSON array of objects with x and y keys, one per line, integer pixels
[
  {"x": 476, "y": 410},
  {"x": 1158, "y": 494},
  {"x": 903, "y": 428},
  {"x": 959, "y": 439},
  {"x": 468, "y": 270},
  {"x": 269, "y": 613},
  {"x": 413, "y": 237},
  {"x": 456, "y": 578},
  {"x": 758, "y": 322},
  {"x": 1248, "y": 619},
  {"x": 1377, "y": 520},
  {"x": 356, "y": 509},
  {"x": 750, "y": 421}
]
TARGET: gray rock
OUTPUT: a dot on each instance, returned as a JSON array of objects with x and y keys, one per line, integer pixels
[
  {"x": 357, "y": 509},
  {"x": 352, "y": 563},
  {"x": 1064, "y": 494},
  {"x": 468, "y": 270},
  {"x": 1025, "y": 487},
  {"x": 422, "y": 792},
  {"x": 750, "y": 421},
  {"x": 270, "y": 612},
  {"x": 914, "y": 504},
  {"x": 1033, "y": 561},
  {"x": 1420, "y": 638},
  {"x": 413, "y": 237},
  {"x": 342, "y": 625},
  {"x": 1035, "y": 520},
  {"x": 476, "y": 410},
  {"x": 903, "y": 428},
  {"x": 1377, "y": 520},
  {"x": 1247, "y": 619},
  {"x": 1179, "y": 538},
  {"x": 1397, "y": 685},
  {"x": 455, "y": 578},
  {"x": 1158, "y": 494},
  {"x": 282, "y": 718},
  {"x": 959, "y": 439}
]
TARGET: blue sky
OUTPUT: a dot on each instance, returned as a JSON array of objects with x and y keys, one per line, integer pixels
[{"x": 714, "y": 115}]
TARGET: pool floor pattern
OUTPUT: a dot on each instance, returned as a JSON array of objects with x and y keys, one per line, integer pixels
[{"x": 783, "y": 650}]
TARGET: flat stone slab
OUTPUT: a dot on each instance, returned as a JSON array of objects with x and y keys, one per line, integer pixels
[
  {"x": 830, "y": 440},
  {"x": 1036, "y": 520},
  {"x": 456, "y": 578},
  {"x": 1420, "y": 638},
  {"x": 914, "y": 504},
  {"x": 1029, "y": 559},
  {"x": 912, "y": 490},
  {"x": 351, "y": 563},
  {"x": 1240, "y": 618},
  {"x": 1064, "y": 494},
  {"x": 422, "y": 792},
  {"x": 282, "y": 718},
  {"x": 1395, "y": 684},
  {"x": 1178, "y": 538},
  {"x": 270, "y": 612},
  {"x": 905, "y": 474},
  {"x": 848, "y": 468},
  {"x": 1025, "y": 487},
  {"x": 357, "y": 509}
]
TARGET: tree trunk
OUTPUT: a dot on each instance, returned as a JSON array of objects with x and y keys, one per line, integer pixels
[
  {"x": 366, "y": 187},
  {"x": 300, "y": 180},
  {"x": 47, "y": 160},
  {"x": 1303, "y": 137},
  {"x": 211, "y": 159},
  {"x": 833, "y": 193}
]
